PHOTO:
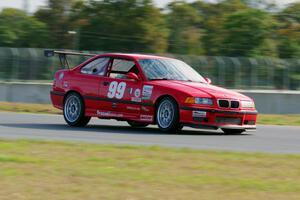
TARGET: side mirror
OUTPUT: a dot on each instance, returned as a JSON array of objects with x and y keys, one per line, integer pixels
[
  {"x": 208, "y": 80},
  {"x": 133, "y": 76}
]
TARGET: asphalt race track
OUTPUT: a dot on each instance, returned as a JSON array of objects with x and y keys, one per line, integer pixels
[{"x": 272, "y": 139}]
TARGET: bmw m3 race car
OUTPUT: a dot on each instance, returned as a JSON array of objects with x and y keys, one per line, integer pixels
[{"x": 147, "y": 89}]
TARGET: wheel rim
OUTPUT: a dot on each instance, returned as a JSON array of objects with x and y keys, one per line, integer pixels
[
  {"x": 165, "y": 114},
  {"x": 72, "y": 108}
]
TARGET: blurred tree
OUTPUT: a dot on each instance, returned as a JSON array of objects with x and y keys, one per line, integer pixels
[
  {"x": 121, "y": 25},
  {"x": 56, "y": 16},
  {"x": 184, "y": 23},
  {"x": 214, "y": 16},
  {"x": 223, "y": 28},
  {"x": 18, "y": 29},
  {"x": 289, "y": 32},
  {"x": 245, "y": 32},
  {"x": 262, "y": 4}
]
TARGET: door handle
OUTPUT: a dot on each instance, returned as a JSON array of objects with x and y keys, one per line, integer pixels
[{"x": 105, "y": 83}]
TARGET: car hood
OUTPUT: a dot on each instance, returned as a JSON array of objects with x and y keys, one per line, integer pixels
[{"x": 199, "y": 89}]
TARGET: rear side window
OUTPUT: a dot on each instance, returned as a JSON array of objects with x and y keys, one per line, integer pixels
[
  {"x": 120, "y": 67},
  {"x": 96, "y": 67}
]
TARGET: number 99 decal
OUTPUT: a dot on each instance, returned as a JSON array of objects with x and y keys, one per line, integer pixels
[{"x": 116, "y": 90}]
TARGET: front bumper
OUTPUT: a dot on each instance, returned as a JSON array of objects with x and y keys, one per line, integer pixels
[{"x": 215, "y": 118}]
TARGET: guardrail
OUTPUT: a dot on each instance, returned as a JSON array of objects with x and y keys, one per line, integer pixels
[{"x": 267, "y": 101}]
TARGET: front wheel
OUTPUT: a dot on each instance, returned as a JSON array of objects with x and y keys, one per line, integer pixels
[
  {"x": 232, "y": 131},
  {"x": 167, "y": 115},
  {"x": 74, "y": 111}
]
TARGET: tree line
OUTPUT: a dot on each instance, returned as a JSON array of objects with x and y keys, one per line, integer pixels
[{"x": 237, "y": 28}]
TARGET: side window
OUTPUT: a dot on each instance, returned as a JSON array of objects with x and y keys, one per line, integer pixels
[
  {"x": 121, "y": 67},
  {"x": 96, "y": 67}
]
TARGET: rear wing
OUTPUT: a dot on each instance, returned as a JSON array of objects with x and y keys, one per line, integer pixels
[{"x": 63, "y": 55}]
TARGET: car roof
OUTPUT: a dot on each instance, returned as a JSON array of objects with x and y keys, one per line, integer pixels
[{"x": 134, "y": 56}]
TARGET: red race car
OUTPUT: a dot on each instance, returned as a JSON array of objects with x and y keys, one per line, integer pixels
[{"x": 146, "y": 89}]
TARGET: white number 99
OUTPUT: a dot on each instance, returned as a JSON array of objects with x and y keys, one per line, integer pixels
[{"x": 116, "y": 90}]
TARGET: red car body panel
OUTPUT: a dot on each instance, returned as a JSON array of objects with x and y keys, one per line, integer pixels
[{"x": 132, "y": 106}]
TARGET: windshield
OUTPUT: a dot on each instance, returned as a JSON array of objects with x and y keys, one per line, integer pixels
[{"x": 169, "y": 69}]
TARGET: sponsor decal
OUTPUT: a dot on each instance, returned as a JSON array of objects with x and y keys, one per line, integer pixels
[
  {"x": 136, "y": 99},
  {"x": 108, "y": 114},
  {"x": 114, "y": 105},
  {"x": 137, "y": 93},
  {"x": 147, "y": 91},
  {"x": 199, "y": 113},
  {"x": 146, "y": 118},
  {"x": 130, "y": 90},
  {"x": 66, "y": 85},
  {"x": 133, "y": 108},
  {"x": 145, "y": 109}
]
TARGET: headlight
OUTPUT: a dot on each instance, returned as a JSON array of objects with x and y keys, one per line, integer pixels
[
  {"x": 248, "y": 104},
  {"x": 198, "y": 100}
]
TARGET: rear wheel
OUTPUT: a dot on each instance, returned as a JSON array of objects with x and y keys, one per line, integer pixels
[
  {"x": 137, "y": 124},
  {"x": 233, "y": 131},
  {"x": 167, "y": 115},
  {"x": 74, "y": 111}
]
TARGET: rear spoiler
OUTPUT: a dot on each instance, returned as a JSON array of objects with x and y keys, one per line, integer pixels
[{"x": 63, "y": 55}]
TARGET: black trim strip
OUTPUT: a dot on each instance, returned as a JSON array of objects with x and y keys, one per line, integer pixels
[
  {"x": 57, "y": 93},
  {"x": 204, "y": 126},
  {"x": 117, "y": 101},
  {"x": 220, "y": 111},
  {"x": 201, "y": 126}
]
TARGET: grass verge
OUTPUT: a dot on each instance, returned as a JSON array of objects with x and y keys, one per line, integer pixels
[
  {"x": 71, "y": 171},
  {"x": 29, "y": 108},
  {"x": 292, "y": 120}
]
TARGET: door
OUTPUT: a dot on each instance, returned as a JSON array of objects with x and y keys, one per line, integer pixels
[
  {"x": 123, "y": 95},
  {"x": 89, "y": 82}
]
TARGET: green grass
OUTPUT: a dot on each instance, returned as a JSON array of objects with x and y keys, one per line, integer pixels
[
  {"x": 70, "y": 171},
  {"x": 28, "y": 108},
  {"x": 293, "y": 120}
]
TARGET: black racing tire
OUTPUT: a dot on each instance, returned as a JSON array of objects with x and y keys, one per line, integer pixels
[
  {"x": 233, "y": 131},
  {"x": 167, "y": 116},
  {"x": 74, "y": 110},
  {"x": 137, "y": 124}
]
